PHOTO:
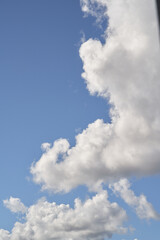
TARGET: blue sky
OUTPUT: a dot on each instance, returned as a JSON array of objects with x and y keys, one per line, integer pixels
[{"x": 44, "y": 98}]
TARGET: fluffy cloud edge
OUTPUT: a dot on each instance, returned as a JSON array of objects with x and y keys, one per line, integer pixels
[{"x": 96, "y": 218}]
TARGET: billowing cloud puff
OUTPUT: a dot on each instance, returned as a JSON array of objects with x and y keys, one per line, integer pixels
[
  {"x": 45, "y": 146},
  {"x": 15, "y": 205},
  {"x": 4, "y": 234},
  {"x": 96, "y": 219},
  {"x": 81, "y": 164},
  {"x": 125, "y": 70},
  {"x": 143, "y": 208}
]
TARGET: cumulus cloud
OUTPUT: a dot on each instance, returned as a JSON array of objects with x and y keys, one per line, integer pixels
[
  {"x": 96, "y": 218},
  {"x": 81, "y": 165},
  {"x": 15, "y": 205},
  {"x": 143, "y": 208},
  {"x": 125, "y": 70},
  {"x": 4, "y": 234}
]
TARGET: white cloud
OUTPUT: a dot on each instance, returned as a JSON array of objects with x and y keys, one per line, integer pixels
[
  {"x": 126, "y": 71},
  {"x": 94, "y": 8},
  {"x": 79, "y": 161},
  {"x": 96, "y": 219},
  {"x": 15, "y": 205},
  {"x": 45, "y": 146},
  {"x": 143, "y": 208},
  {"x": 4, "y": 234}
]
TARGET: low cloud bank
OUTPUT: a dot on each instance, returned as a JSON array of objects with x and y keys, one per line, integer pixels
[{"x": 96, "y": 218}]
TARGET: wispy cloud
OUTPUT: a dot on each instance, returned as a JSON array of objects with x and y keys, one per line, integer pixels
[
  {"x": 143, "y": 208},
  {"x": 15, "y": 205}
]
